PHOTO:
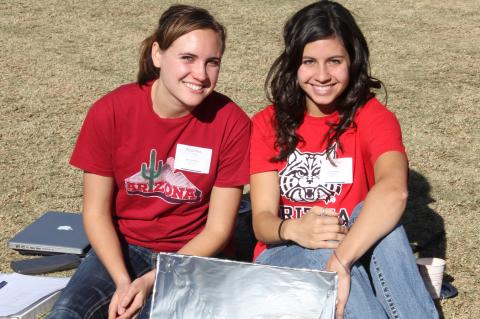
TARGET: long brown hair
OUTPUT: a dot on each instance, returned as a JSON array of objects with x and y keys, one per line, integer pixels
[{"x": 175, "y": 22}]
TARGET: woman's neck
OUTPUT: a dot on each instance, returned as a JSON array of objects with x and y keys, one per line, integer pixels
[{"x": 163, "y": 107}]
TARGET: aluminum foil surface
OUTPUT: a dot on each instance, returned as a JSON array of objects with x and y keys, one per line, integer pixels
[{"x": 188, "y": 287}]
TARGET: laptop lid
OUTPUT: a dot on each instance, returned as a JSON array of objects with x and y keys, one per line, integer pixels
[{"x": 52, "y": 233}]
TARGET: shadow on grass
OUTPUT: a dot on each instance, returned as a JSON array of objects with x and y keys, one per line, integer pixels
[{"x": 425, "y": 228}]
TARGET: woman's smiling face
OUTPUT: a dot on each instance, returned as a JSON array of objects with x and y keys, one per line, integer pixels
[
  {"x": 323, "y": 74},
  {"x": 189, "y": 70}
]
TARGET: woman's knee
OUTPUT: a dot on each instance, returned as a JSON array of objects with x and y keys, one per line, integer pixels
[
  {"x": 295, "y": 256},
  {"x": 82, "y": 301},
  {"x": 394, "y": 244},
  {"x": 88, "y": 291}
]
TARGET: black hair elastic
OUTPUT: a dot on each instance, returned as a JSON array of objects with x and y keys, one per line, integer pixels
[{"x": 280, "y": 229}]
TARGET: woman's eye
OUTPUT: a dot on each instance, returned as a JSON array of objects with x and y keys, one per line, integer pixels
[
  {"x": 187, "y": 58},
  {"x": 214, "y": 63},
  {"x": 308, "y": 62},
  {"x": 335, "y": 61}
]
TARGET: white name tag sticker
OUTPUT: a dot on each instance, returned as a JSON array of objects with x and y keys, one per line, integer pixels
[
  {"x": 193, "y": 158},
  {"x": 341, "y": 173}
]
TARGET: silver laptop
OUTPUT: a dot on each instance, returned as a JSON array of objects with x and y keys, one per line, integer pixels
[{"x": 52, "y": 233}]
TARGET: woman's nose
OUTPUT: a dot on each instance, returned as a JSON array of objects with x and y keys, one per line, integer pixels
[
  {"x": 199, "y": 72},
  {"x": 322, "y": 75}
]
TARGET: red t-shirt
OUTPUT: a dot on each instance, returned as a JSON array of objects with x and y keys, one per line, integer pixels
[
  {"x": 158, "y": 204},
  {"x": 301, "y": 187}
]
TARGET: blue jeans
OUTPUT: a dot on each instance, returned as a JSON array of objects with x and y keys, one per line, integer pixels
[
  {"x": 91, "y": 288},
  {"x": 391, "y": 288}
]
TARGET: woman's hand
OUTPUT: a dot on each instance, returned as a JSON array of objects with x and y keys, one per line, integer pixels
[
  {"x": 343, "y": 272},
  {"x": 129, "y": 299},
  {"x": 319, "y": 228},
  {"x": 114, "y": 309}
]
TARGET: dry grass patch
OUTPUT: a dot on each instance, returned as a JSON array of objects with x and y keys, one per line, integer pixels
[{"x": 60, "y": 56}]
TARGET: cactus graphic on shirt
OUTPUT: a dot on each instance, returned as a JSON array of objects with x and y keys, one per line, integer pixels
[
  {"x": 153, "y": 172},
  {"x": 162, "y": 181}
]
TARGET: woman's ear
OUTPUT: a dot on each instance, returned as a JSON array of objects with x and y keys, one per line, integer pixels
[{"x": 156, "y": 55}]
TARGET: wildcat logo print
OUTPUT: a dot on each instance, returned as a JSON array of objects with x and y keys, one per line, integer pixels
[
  {"x": 300, "y": 182},
  {"x": 160, "y": 180}
]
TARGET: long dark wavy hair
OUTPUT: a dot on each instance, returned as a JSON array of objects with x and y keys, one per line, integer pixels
[{"x": 317, "y": 21}]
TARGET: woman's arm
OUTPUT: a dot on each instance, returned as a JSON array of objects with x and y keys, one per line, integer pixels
[
  {"x": 223, "y": 208},
  {"x": 383, "y": 207},
  {"x": 97, "y": 218},
  {"x": 222, "y": 212},
  {"x": 264, "y": 195},
  {"x": 313, "y": 230}
]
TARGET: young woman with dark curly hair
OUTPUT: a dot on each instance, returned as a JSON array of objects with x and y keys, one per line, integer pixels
[{"x": 328, "y": 153}]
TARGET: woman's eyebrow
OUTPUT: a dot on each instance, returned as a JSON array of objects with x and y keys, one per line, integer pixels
[{"x": 196, "y": 56}]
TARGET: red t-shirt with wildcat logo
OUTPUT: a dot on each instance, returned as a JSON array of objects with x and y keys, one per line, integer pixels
[
  {"x": 157, "y": 203},
  {"x": 377, "y": 131}
]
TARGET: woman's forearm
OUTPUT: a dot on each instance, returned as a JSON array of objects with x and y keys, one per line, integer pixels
[
  {"x": 265, "y": 194},
  {"x": 97, "y": 217},
  {"x": 382, "y": 209},
  {"x": 206, "y": 243},
  {"x": 105, "y": 242},
  {"x": 319, "y": 228},
  {"x": 377, "y": 218},
  {"x": 222, "y": 212},
  {"x": 266, "y": 227}
]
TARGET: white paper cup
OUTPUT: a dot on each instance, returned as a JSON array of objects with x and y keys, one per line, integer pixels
[{"x": 431, "y": 270}]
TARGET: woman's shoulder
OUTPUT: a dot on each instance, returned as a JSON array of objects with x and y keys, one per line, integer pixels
[
  {"x": 126, "y": 92},
  {"x": 264, "y": 115},
  {"x": 373, "y": 109},
  {"x": 218, "y": 106},
  {"x": 372, "y": 105},
  {"x": 122, "y": 94},
  {"x": 123, "y": 99}
]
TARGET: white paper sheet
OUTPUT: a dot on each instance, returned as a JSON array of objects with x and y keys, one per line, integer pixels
[{"x": 21, "y": 291}]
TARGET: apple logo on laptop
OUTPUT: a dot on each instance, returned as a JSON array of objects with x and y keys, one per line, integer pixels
[{"x": 64, "y": 227}]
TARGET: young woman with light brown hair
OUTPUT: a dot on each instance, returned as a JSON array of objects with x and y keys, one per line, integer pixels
[{"x": 164, "y": 160}]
